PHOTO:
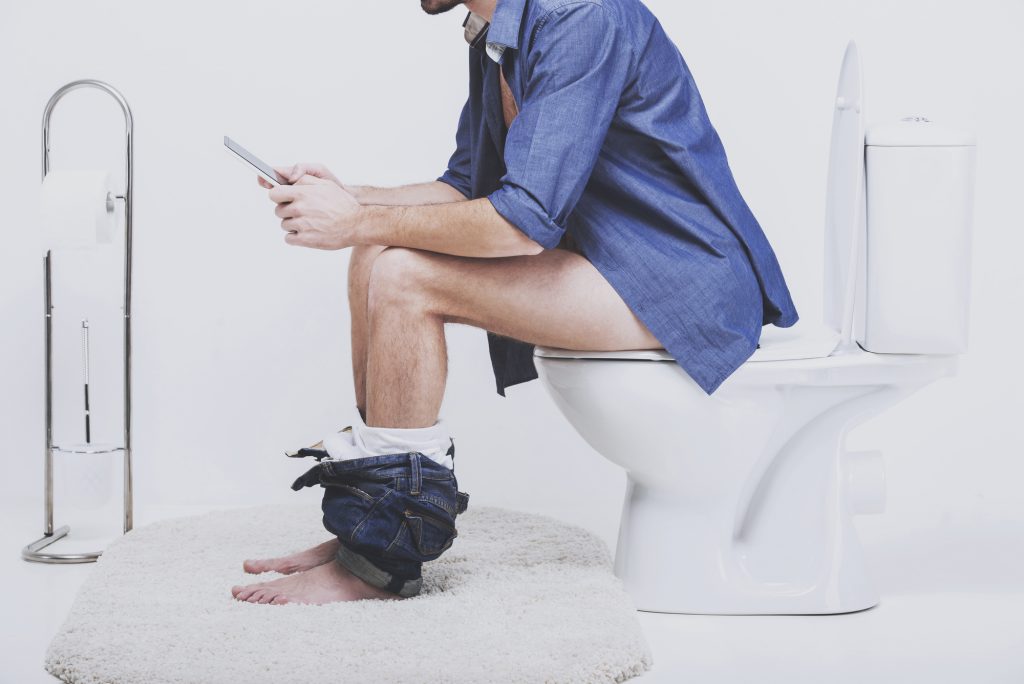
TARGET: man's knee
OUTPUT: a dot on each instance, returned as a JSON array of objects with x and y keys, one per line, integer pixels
[
  {"x": 359, "y": 266},
  {"x": 400, "y": 276}
]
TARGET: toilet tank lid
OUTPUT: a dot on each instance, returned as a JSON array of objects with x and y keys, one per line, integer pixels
[{"x": 917, "y": 131}]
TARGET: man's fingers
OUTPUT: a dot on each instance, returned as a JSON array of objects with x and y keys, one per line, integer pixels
[
  {"x": 263, "y": 183},
  {"x": 295, "y": 239},
  {"x": 309, "y": 179},
  {"x": 290, "y": 224},
  {"x": 288, "y": 172},
  {"x": 287, "y": 210},
  {"x": 283, "y": 193},
  {"x": 296, "y": 171}
]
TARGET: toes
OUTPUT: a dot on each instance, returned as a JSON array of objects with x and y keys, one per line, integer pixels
[
  {"x": 243, "y": 591},
  {"x": 259, "y": 593},
  {"x": 247, "y": 591},
  {"x": 253, "y": 567},
  {"x": 285, "y": 567}
]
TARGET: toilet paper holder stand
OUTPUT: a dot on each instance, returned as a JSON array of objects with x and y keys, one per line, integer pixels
[{"x": 34, "y": 551}]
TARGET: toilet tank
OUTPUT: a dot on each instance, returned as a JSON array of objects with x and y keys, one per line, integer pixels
[{"x": 916, "y": 258}]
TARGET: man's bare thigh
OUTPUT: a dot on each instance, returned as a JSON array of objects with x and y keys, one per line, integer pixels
[{"x": 556, "y": 299}]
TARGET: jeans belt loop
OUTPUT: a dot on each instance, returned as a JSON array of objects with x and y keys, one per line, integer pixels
[{"x": 416, "y": 481}]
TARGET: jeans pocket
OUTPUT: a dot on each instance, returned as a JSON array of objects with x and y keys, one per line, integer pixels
[
  {"x": 362, "y": 493},
  {"x": 349, "y": 511},
  {"x": 430, "y": 534}
]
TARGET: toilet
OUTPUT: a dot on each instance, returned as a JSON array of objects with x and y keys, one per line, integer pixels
[{"x": 742, "y": 502}]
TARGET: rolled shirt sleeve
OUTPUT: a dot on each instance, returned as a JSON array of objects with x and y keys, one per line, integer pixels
[
  {"x": 575, "y": 73},
  {"x": 458, "y": 173}
]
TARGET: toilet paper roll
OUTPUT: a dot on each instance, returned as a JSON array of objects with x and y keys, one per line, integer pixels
[{"x": 77, "y": 209}]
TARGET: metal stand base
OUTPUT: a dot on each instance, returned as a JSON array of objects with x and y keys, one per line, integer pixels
[{"x": 32, "y": 551}]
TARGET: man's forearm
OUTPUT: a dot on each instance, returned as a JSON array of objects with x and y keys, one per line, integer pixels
[
  {"x": 471, "y": 228},
  {"x": 434, "y": 192}
]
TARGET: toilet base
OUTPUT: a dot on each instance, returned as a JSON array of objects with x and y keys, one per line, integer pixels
[{"x": 672, "y": 560}]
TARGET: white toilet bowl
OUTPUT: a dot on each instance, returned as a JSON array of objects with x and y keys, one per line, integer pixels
[{"x": 741, "y": 502}]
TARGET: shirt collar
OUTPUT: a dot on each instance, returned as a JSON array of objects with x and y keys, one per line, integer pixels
[
  {"x": 502, "y": 32},
  {"x": 508, "y": 16}
]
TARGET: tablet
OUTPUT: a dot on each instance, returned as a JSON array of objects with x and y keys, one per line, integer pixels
[{"x": 262, "y": 168}]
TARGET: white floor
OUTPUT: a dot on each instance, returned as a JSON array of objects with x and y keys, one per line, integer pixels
[{"x": 959, "y": 619}]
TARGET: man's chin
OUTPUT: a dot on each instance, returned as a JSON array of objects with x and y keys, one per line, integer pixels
[{"x": 439, "y": 6}]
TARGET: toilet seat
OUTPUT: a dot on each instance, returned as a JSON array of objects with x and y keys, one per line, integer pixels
[
  {"x": 802, "y": 340},
  {"x": 806, "y": 354}
]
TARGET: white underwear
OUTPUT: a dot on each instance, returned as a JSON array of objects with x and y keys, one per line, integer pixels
[{"x": 433, "y": 442}]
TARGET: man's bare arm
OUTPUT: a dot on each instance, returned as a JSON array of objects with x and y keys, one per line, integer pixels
[
  {"x": 469, "y": 228},
  {"x": 434, "y": 192},
  {"x": 322, "y": 214}
]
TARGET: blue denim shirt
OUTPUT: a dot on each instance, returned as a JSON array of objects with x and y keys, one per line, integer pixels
[{"x": 613, "y": 145}]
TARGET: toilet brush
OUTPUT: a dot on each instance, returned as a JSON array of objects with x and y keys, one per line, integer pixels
[{"x": 85, "y": 368}]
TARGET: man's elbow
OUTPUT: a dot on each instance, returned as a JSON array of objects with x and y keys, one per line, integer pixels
[
  {"x": 530, "y": 247},
  {"x": 518, "y": 243},
  {"x": 524, "y": 247}
]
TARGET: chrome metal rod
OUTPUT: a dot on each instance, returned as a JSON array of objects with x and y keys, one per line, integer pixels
[{"x": 48, "y": 467}]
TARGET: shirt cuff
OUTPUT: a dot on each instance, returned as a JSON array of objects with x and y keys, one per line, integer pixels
[
  {"x": 457, "y": 182},
  {"x": 526, "y": 214}
]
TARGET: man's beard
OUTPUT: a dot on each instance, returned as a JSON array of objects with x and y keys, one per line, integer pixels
[{"x": 439, "y": 6}]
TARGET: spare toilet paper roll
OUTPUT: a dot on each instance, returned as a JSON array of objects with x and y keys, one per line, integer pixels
[{"x": 76, "y": 213}]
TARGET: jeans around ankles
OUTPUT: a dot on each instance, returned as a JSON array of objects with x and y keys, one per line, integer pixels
[{"x": 390, "y": 514}]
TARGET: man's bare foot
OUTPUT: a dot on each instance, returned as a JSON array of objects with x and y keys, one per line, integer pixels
[
  {"x": 324, "y": 583},
  {"x": 296, "y": 562}
]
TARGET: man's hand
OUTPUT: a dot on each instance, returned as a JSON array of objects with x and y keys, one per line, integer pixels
[
  {"x": 316, "y": 212},
  {"x": 296, "y": 171}
]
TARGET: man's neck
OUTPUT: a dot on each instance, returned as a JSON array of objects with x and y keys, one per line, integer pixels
[{"x": 485, "y": 8}]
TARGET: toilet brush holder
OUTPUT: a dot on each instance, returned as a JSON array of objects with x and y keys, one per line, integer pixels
[
  {"x": 87, "y": 468},
  {"x": 85, "y": 476},
  {"x": 86, "y": 490}
]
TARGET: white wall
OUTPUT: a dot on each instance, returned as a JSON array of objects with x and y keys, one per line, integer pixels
[{"x": 241, "y": 341}]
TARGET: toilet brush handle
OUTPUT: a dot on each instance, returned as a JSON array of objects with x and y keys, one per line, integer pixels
[{"x": 85, "y": 367}]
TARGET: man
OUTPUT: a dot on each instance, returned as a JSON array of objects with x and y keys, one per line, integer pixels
[{"x": 589, "y": 205}]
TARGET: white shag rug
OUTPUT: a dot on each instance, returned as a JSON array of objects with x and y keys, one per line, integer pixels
[{"x": 517, "y": 598}]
